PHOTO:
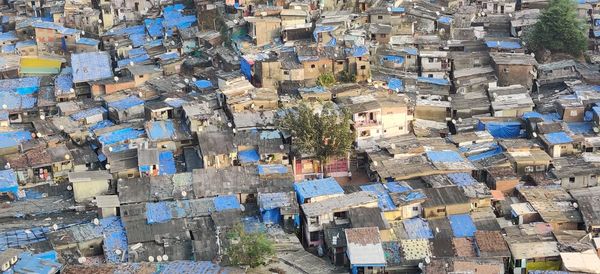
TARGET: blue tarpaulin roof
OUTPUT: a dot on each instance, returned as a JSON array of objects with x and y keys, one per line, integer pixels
[
  {"x": 115, "y": 238},
  {"x": 268, "y": 201},
  {"x": 462, "y": 179},
  {"x": 13, "y": 138},
  {"x": 410, "y": 51},
  {"x": 160, "y": 130},
  {"x": 398, "y": 10},
  {"x": 54, "y": 26},
  {"x": 462, "y": 225},
  {"x": 272, "y": 169},
  {"x": 394, "y": 58},
  {"x": 383, "y": 198},
  {"x": 119, "y": 136},
  {"x": 168, "y": 56},
  {"x": 493, "y": 152},
  {"x": 270, "y": 135},
  {"x": 556, "y": 138},
  {"x": 357, "y": 51},
  {"x": 136, "y": 52},
  {"x": 7, "y": 36},
  {"x": 138, "y": 29},
  {"x": 29, "y": 263},
  {"x": 321, "y": 29},
  {"x": 203, "y": 267},
  {"x": 137, "y": 40},
  {"x": 503, "y": 129},
  {"x": 248, "y": 156},
  {"x": 154, "y": 26},
  {"x": 395, "y": 187},
  {"x": 63, "y": 84},
  {"x": 21, "y": 86},
  {"x": 126, "y": 103},
  {"x": 203, "y": 84},
  {"x": 315, "y": 188},
  {"x": 547, "y": 117},
  {"x": 503, "y": 44},
  {"x": 158, "y": 213},
  {"x": 417, "y": 228},
  {"x": 14, "y": 101},
  {"x": 135, "y": 60},
  {"x": 167, "y": 163},
  {"x": 10, "y": 48},
  {"x": 87, "y": 113},
  {"x": 433, "y": 81},
  {"x": 8, "y": 182},
  {"x": 445, "y": 156},
  {"x": 445, "y": 20},
  {"x": 581, "y": 127},
  {"x": 88, "y": 42},
  {"x": 395, "y": 84},
  {"x": 91, "y": 66},
  {"x": 100, "y": 125},
  {"x": 226, "y": 202}
]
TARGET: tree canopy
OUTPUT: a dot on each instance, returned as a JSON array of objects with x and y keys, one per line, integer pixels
[
  {"x": 326, "y": 79},
  {"x": 559, "y": 29},
  {"x": 323, "y": 134},
  {"x": 252, "y": 249}
]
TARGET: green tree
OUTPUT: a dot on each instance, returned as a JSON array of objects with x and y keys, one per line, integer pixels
[
  {"x": 253, "y": 249},
  {"x": 559, "y": 30},
  {"x": 347, "y": 77},
  {"x": 323, "y": 134},
  {"x": 326, "y": 79}
]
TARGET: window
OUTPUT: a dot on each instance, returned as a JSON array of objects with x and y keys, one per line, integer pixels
[
  {"x": 285, "y": 72},
  {"x": 518, "y": 263},
  {"x": 505, "y": 70},
  {"x": 141, "y": 76},
  {"x": 441, "y": 210},
  {"x": 415, "y": 208},
  {"x": 342, "y": 215},
  {"x": 540, "y": 168},
  {"x": 430, "y": 75},
  {"x": 312, "y": 66},
  {"x": 571, "y": 179},
  {"x": 380, "y": 17},
  {"x": 409, "y": 57},
  {"x": 573, "y": 112},
  {"x": 363, "y": 67},
  {"x": 563, "y": 147},
  {"x": 528, "y": 169},
  {"x": 340, "y": 62},
  {"x": 430, "y": 60},
  {"x": 314, "y": 236},
  {"x": 130, "y": 175}
]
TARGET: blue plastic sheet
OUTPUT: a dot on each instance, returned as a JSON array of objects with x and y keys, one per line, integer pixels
[
  {"x": 248, "y": 156},
  {"x": 556, "y": 138},
  {"x": 462, "y": 179},
  {"x": 417, "y": 228},
  {"x": 315, "y": 188},
  {"x": 167, "y": 163},
  {"x": 246, "y": 68},
  {"x": 462, "y": 225},
  {"x": 383, "y": 197},
  {"x": 444, "y": 156},
  {"x": 271, "y": 216},
  {"x": 13, "y": 138},
  {"x": 226, "y": 202},
  {"x": 503, "y": 44},
  {"x": 395, "y": 84},
  {"x": 158, "y": 213},
  {"x": 503, "y": 130},
  {"x": 484, "y": 155}
]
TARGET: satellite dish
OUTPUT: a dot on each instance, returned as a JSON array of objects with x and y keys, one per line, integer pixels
[
  {"x": 107, "y": 166},
  {"x": 159, "y": 258},
  {"x": 194, "y": 79},
  {"x": 460, "y": 120},
  {"x": 42, "y": 116},
  {"x": 55, "y": 226},
  {"x": 96, "y": 221},
  {"x": 596, "y": 129},
  {"x": 116, "y": 79},
  {"x": 81, "y": 260},
  {"x": 389, "y": 9},
  {"x": 281, "y": 147},
  {"x": 130, "y": 47},
  {"x": 4, "y": 106},
  {"x": 131, "y": 63},
  {"x": 534, "y": 135},
  {"x": 575, "y": 205},
  {"x": 28, "y": 231},
  {"x": 110, "y": 149},
  {"x": 118, "y": 251},
  {"x": 242, "y": 208},
  {"x": 71, "y": 90},
  {"x": 99, "y": 21},
  {"x": 141, "y": 94},
  {"x": 183, "y": 193},
  {"x": 67, "y": 156},
  {"x": 83, "y": 32},
  {"x": 39, "y": 135},
  {"x": 69, "y": 187},
  {"x": 116, "y": 45},
  {"x": 186, "y": 80},
  {"x": 61, "y": 127},
  {"x": 165, "y": 257},
  {"x": 449, "y": 99},
  {"x": 229, "y": 124},
  {"x": 150, "y": 259},
  {"x": 427, "y": 260},
  {"x": 453, "y": 121},
  {"x": 420, "y": 265}
]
